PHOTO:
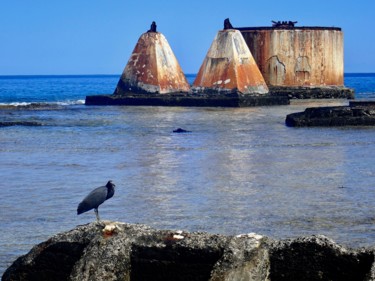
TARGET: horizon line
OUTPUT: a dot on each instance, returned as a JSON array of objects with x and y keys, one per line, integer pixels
[{"x": 187, "y": 74}]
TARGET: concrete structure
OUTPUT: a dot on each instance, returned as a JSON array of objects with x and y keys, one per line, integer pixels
[
  {"x": 229, "y": 66},
  {"x": 297, "y": 56},
  {"x": 152, "y": 68}
]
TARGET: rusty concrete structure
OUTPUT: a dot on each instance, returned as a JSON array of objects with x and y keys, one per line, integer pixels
[
  {"x": 230, "y": 66},
  {"x": 290, "y": 56},
  {"x": 229, "y": 76},
  {"x": 152, "y": 68}
]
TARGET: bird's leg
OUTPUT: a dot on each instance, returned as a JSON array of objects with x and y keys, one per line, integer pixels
[{"x": 97, "y": 214}]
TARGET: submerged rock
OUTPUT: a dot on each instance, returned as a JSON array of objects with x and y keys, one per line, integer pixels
[
  {"x": 119, "y": 251},
  {"x": 180, "y": 130}
]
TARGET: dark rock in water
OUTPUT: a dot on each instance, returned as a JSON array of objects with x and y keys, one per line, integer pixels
[
  {"x": 19, "y": 123},
  {"x": 180, "y": 130},
  {"x": 122, "y": 251},
  {"x": 32, "y": 106},
  {"x": 356, "y": 114}
]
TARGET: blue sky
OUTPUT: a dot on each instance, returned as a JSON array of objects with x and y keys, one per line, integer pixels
[{"x": 97, "y": 37}]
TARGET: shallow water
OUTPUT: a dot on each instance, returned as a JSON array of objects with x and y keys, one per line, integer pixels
[{"x": 240, "y": 170}]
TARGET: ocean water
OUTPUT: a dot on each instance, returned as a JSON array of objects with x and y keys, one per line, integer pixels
[{"x": 240, "y": 170}]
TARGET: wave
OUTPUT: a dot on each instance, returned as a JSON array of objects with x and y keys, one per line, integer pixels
[{"x": 40, "y": 105}]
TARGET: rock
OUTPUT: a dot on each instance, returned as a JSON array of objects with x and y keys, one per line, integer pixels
[
  {"x": 356, "y": 114},
  {"x": 318, "y": 258},
  {"x": 180, "y": 130},
  {"x": 120, "y": 251},
  {"x": 19, "y": 123}
]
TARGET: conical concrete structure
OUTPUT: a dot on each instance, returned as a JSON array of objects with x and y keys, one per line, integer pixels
[
  {"x": 229, "y": 66},
  {"x": 152, "y": 68}
]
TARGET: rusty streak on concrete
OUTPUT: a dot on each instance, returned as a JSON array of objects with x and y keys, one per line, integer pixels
[
  {"x": 298, "y": 56},
  {"x": 229, "y": 65},
  {"x": 152, "y": 68}
]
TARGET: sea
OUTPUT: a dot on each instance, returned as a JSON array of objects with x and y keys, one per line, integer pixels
[{"x": 238, "y": 170}]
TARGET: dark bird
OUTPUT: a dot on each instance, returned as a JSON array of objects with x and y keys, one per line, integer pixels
[
  {"x": 153, "y": 27},
  {"x": 227, "y": 24},
  {"x": 96, "y": 198}
]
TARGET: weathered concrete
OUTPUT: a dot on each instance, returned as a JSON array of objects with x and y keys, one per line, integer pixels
[
  {"x": 229, "y": 65},
  {"x": 323, "y": 92},
  {"x": 360, "y": 113},
  {"x": 152, "y": 68},
  {"x": 121, "y": 251},
  {"x": 298, "y": 56},
  {"x": 207, "y": 99}
]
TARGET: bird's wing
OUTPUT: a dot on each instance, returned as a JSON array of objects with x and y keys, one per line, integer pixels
[
  {"x": 93, "y": 200},
  {"x": 99, "y": 193}
]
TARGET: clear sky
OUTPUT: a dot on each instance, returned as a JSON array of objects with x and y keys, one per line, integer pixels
[{"x": 98, "y": 36}]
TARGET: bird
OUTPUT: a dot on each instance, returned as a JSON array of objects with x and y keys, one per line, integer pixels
[{"x": 96, "y": 198}]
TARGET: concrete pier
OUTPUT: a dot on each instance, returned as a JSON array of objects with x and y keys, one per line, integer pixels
[
  {"x": 229, "y": 77},
  {"x": 289, "y": 63},
  {"x": 188, "y": 99}
]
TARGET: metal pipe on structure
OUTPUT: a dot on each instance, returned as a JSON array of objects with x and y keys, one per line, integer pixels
[{"x": 297, "y": 56}]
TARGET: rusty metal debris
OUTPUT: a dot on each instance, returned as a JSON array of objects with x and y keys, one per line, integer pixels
[{"x": 283, "y": 23}]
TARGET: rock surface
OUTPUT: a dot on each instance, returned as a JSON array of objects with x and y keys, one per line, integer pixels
[
  {"x": 318, "y": 92},
  {"x": 356, "y": 114},
  {"x": 234, "y": 99},
  {"x": 119, "y": 251}
]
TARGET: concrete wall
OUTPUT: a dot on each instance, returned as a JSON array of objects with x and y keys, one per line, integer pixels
[{"x": 300, "y": 56}]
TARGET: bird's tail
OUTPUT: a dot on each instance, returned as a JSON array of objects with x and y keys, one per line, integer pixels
[{"x": 82, "y": 207}]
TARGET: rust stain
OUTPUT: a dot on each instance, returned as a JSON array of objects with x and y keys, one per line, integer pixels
[
  {"x": 295, "y": 57},
  {"x": 152, "y": 68},
  {"x": 229, "y": 65}
]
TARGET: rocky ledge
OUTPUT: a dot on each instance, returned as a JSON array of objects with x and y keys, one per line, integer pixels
[
  {"x": 187, "y": 99},
  {"x": 358, "y": 113},
  {"x": 119, "y": 251},
  {"x": 322, "y": 92}
]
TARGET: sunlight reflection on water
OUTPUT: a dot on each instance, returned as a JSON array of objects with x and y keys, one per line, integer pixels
[{"x": 239, "y": 170}]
